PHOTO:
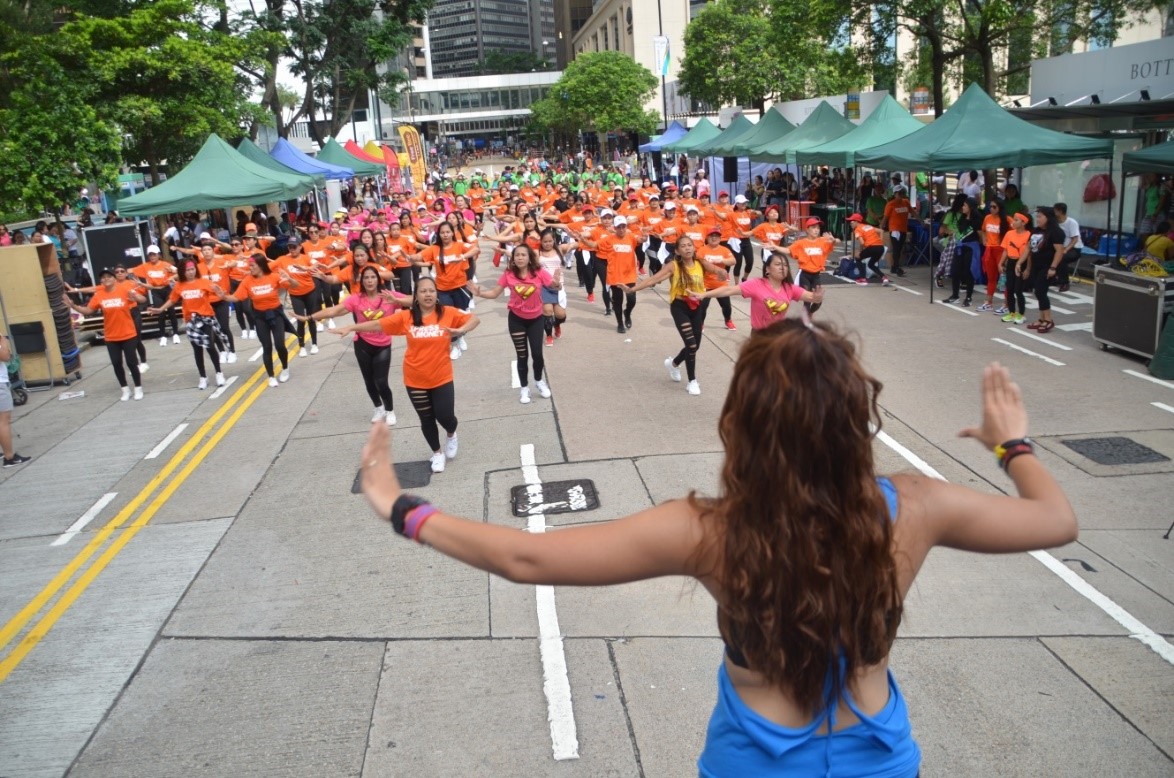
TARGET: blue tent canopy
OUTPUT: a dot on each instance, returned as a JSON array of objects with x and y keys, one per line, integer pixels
[
  {"x": 673, "y": 134},
  {"x": 287, "y": 154}
]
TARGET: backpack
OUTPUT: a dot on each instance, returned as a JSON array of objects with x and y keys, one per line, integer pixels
[{"x": 849, "y": 268}]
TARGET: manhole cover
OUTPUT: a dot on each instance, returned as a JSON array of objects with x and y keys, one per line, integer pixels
[
  {"x": 554, "y": 497},
  {"x": 411, "y": 475},
  {"x": 1115, "y": 451}
]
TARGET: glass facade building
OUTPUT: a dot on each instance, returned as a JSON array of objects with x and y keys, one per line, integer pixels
[{"x": 463, "y": 32}]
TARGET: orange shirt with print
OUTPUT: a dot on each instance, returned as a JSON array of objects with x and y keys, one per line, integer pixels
[
  {"x": 196, "y": 297},
  {"x": 812, "y": 253},
  {"x": 990, "y": 230},
  {"x": 1016, "y": 243},
  {"x": 451, "y": 273},
  {"x": 238, "y": 267},
  {"x": 426, "y": 361},
  {"x": 740, "y": 222},
  {"x": 156, "y": 275},
  {"x": 696, "y": 231},
  {"x": 218, "y": 274},
  {"x": 718, "y": 256},
  {"x": 769, "y": 232},
  {"x": 263, "y": 291},
  {"x": 868, "y": 235},
  {"x": 399, "y": 249},
  {"x": 897, "y": 214},
  {"x": 621, "y": 258},
  {"x": 301, "y": 282},
  {"x": 131, "y": 286},
  {"x": 115, "y": 305}
]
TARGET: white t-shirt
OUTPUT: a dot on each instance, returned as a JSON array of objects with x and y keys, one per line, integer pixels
[{"x": 1071, "y": 230}]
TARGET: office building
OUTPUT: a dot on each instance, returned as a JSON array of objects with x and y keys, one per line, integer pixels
[
  {"x": 570, "y": 16},
  {"x": 462, "y": 33}
]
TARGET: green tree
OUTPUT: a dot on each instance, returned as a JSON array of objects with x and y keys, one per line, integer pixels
[
  {"x": 728, "y": 55},
  {"x": 601, "y": 92},
  {"x": 498, "y": 61}
]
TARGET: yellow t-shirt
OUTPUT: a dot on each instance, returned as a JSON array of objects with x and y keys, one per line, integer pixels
[{"x": 685, "y": 280}]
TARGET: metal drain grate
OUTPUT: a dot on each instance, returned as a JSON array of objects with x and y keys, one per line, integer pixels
[
  {"x": 411, "y": 475},
  {"x": 1115, "y": 451}
]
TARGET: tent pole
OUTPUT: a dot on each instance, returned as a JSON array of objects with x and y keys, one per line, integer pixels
[
  {"x": 929, "y": 231},
  {"x": 1109, "y": 202},
  {"x": 1120, "y": 216}
]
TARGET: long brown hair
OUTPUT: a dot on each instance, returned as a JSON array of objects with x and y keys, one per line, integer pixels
[{"x": 801, "y": 528}]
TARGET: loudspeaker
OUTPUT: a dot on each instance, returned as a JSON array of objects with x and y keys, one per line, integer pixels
[{"x": 730, "y": 169}]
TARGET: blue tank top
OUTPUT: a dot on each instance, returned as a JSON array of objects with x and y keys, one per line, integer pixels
[{"x": 739, "y": 742}]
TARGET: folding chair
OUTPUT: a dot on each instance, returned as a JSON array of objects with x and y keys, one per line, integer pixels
[{"x": 920, "y": 252}]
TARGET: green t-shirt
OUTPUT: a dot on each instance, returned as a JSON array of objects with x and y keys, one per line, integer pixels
[
  {"x": 1014, "y": 206},
  {"x": 460, "y": 187},
  {"x": 875, "y": 206}
]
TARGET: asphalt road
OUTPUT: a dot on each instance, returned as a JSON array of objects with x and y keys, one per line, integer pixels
[{"x": 230, "y": 607}]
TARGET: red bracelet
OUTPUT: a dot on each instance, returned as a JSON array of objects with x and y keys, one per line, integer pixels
[
  {"x": 1014, "y": 451},
  {"x": 416, "y": 519}
]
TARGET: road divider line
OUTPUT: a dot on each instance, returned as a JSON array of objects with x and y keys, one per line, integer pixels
[
  {"x": 907, "y": 289},
  {"x": 223, "y": 389},
  {"x": 42, "y": 627},
  {"x": 1136, "y": 629},
  {"x": 1164, "y": 407},
  {"x": 85, "y": 519},
  {"x": 257, "y": 355},
  {"x": 1149, "y": 378},
  {"x": 163, "y": 444},
  {"x": 1080, "y": 325},
  {"x": 556, "y": 683},
  {"x": 952, "y": 307},
  {"x": 1029, "y": 352},
  {"x": 1040, "y": 338}
]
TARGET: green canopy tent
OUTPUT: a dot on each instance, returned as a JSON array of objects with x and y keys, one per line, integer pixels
[
  {"x": 770, "y": 127},
  {"x": 252, "y": 151},
  {"x": 739, "y": 127},
  {"x": 703, "y": 132},
  {"x": 888, "y": 122},
  {"x": 1155, "y": 159},
  {"x": 217, "y": 177},
  {"x": 824, "y": 124},
  {"x": 976, "y": 133},
  {"x": 333, "y": 153}
]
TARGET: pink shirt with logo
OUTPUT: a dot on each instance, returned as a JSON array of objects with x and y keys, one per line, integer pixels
[
  {"x": 525, "y": 294},
  {"x": 766, "y": 304},
  {"x": 365, "y": 309}
]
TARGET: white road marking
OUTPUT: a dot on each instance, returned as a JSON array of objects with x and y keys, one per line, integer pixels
[
  {"x": 1137, "y": 630},
  {"x": 1073, "y": 298},
  {"x": 1041, "y": 339},
  {"x": 556, "y": 684},
  {"x": 1164, "y": 407},
  {"x": 953, "y": 307},
  {"x": 85, "y": 519},
  {"x": 1032, "y": 304},
  {"x": 221, "y": 390},
  {"x": 1029, "y": 352},
  {"x": 515, "y": 382},
  {"x": 1149, "y": 378},
  {"x": 257, "y": 355},
  {"x": 906, "y": 289},
  {"x": 163, "y": 444},
  {"x": 1082, "y": 325}
]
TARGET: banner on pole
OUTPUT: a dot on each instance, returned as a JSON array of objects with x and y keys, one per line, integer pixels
[
  {"x": 415, "y": 152},
  {"x": 660, "y": 45}
]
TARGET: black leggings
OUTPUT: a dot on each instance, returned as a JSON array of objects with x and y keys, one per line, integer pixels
[
  {"x": 688, "y": 322},
  {"x": 598, "y": 270},
  {"x": 244, "y": 309},
  {"x": 742, "y": 257},
  {"x": 120, "y": 350},
  {"x": 405, "y": 279},
  {"x": 1039, "y": 284},
  {"x": 724, "y": 304},
  {"x": 897, "y": 248},
  {"x": 158, "y": 297},
  {"x": 1016, "y": 302},
  {"x": 221, "y": 311},
  {"x": 961, "y": 275},
  {"x": 304, "y": 305},
  {"x": 435, "y": 406},
  {"x": 810, "y": 282},
  {"x": 375, "y": 364},
  {"x": 654, "y": 263},
  {"x": 872, "y": 255},
  {"x": 617, "y": 296},
  {"x": 271, "y": 328},
  {"x": 137, "y": 316},
  {"x": 527, "y": 337},
  {"x": 199, "y": 354}
]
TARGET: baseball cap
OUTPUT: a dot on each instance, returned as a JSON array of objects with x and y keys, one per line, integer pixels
[
  {"x": 205, "y": 236},
  {"x": 606, "y": 212},
  {"x": 713, "y": 231},
  {"x": 514, "y": 187},
  {"x": 653, "y": 197},
  {"x": 855, "y": 218},
  {"x": 153, "y": 249},
  {"x": 670, "y": 206},
  {"x": 691, "y": 209},
  {"x": 723, "y": 194},
  {"x": 620, "y": 222},
  {"x": 586, "y": 207},
  {"x": 812, "y": 222},
  {"x": 687, "y": 186},
  {"x": 105, "y": 272},
  {"x": 740, "y": 199},
  {"x": 633, "y": 196}
]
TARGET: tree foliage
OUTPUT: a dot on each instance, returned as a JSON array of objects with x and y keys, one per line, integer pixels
[
  {"x": 600, "y": 91},
  {"x": 498, "y": 61}
]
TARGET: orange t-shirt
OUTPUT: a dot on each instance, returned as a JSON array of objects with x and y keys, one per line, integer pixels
[
  {"x": 990, "y": 231},
  {"x": 812, "y": 253},
  {"x": 318, "y": 252},
  {"x": 132, "y": 286},
  {"x": 867, "y": 235},
  {"x": 155, "y": 274},
  {"x": 621, "y": 258},
  {"x": 769, "y": 232},
  {"x": 741, "y": 221},
  {"x": 719, "y": 256},
  {"x": 426, "y": 361},
  {"x": 117, "y": 324},
  {"x": 897, "y": 213},
  {"x": 1016, "y": 243},
  {"x": 301, "y": 282},
  {"x": 196, "y": 296},
  {"x": 263, "y": 291},
  {"x": 451, "y": 274},
  {"x": 399, "y": 249},
  {"x": 218, "y": 274},
  {"x": 696, "y": 231}
]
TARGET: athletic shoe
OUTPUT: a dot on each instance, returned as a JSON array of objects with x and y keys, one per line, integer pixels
[
  {"x": 454, "y": 353},
  {"x": 885, "y": 281},
  {"x": 1020, "y": 318},
  {"x": 730, "y": 325},
  {"x": 17, "y": 459},
  {"x": 379, "y": 415},
  {"x": 543, "y": 388},
  {"x": 272, "y": 382},
  {"x": 985, "y": 307},
  {"x": 163, "y": 341},
  {"x": 330, "y": 324},
  {"x": 463, "y": 343},
  {"x": 549, "y": 340},
  {"x": 321, "y": 327},
  {"x": 1008, "y": 318},
  {"x": 951, "y": 300},
  {"x": 220, "y": 379},
  {"x": 125, "y": 394},
  {"x": 607, "y": 313},
  {"x": 899, "y": 272},
  {"x": 302, "y": 352},
  {"x": 450, "y": 447},
  {"x": 314, "y": 348},
  {"x": 231, "y": 359},
  {"x": 591, "y": 298},
  {"x": 203, "y": 383},
  {"x": 283, "y": 376},
  {"x": 144, "y": 367},
  {"x": 438, "y": 462},
  {"x": 473, "y": 304},
  {"x": 862, "y": 282},
  {"x": 525, "y": 398},
  {"x": 621, "y": 329},
  {"x": 250, "y": 334},
  {"x": 693, "y": 387},
  {"x": 175, "y": 338},
  {"x": 1001, "y": 310},
  {"x": 674, "y": 371},
  {"x": 966, "y": 303},
  {"x": 138, "y": 395},
  {"x": 558, "y": 330},
  {"x": 627, "y": 321},
  {"x": 1063, "y": 288},
  {"x": 390, "y": 418}
]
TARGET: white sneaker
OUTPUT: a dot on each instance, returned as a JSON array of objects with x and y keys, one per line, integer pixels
[
  {"x": 314, "y": 348},
  {"x": 543, "y": 389},
  {"x": 163, "y": 341},
  {"x": 138, "y": 393},
  {"x": 144, "y": 367},
  {"x": 390, "y": 418},
  {"x": 674, "y": 371},
  {"x": 693, "y": 387},
  {"x": 379, "y": 415},
  {"x": 321, "y": 327},
  {"x": 125, "y": 394},
  {"x": 230, "y": 358},
  {"x": 303, "y": 353},
  {"x": 464, "y": 346},
  {"x": 472, "y": 305},
  {"x": 203, "y": 383},
  {"x": 438, "y": 462},
  {"x": 450, "y": 447},
  {"x": 175, "y": 338},
  {"x": 272, "y": 382},
  {"x": 455, "y": 352},
  {"x": 525, "y": 398},
  {"x": 330, "y": 324},
  {"x": 220, "y": 379},
  {"x": 248, "y": 334},
  {"x": 283, "y": 376}
]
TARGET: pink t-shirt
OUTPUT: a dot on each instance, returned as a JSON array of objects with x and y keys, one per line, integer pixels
[
  {"x": 525, "y": 294},
  {"x": 365, "y": 309},
  {"x": 767, "y": 305}
]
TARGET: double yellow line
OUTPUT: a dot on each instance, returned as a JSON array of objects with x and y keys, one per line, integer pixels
[{"x": 182, "y": 464}]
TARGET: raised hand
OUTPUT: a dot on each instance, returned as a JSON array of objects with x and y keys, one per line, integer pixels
[{"x": 1004, "y": 416}]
